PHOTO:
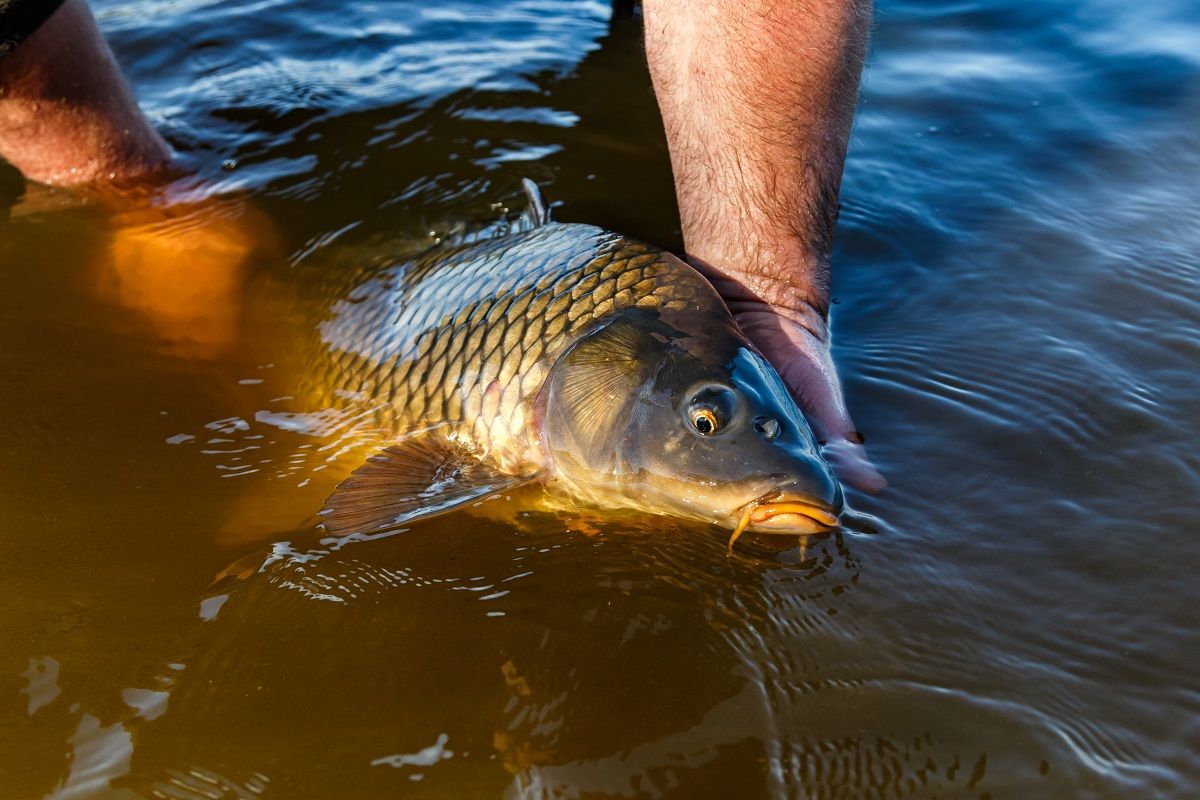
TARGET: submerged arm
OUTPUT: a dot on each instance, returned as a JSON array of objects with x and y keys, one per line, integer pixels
[
  {"x": 757, "y": 98},
  {"x": 67, "y": 116}
]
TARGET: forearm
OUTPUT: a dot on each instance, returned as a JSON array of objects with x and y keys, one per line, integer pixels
[
  {"x": 757, "y": 98},
  {"x": 66, "y": 114}
]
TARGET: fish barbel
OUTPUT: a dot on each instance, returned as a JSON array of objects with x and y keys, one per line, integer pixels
[{"x": 602, "y": 366}]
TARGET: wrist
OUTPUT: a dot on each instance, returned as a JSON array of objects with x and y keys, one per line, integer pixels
[{"x": 787, "y": 280}]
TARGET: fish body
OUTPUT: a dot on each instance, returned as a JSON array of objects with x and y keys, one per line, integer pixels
[
  {"x": 602, "y": 366},
  {"x": 465, "y": 337}
]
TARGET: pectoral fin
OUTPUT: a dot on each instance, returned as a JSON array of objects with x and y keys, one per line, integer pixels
[
  {"x": 420, "y": 476},
  {"x": 593, "y": 381}
]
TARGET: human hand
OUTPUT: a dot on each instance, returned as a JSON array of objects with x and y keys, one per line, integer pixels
[
  {"x": 793, "y": 336},
  {"x": 799, "y": 351}
]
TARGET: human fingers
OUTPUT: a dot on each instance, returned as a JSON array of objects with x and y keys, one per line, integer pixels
[{"x": 804, "y": 362}]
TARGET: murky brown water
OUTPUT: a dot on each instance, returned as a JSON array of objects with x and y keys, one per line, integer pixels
[{"x": 1018, "y": 322}]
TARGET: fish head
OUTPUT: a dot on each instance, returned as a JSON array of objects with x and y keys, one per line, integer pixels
[{"x": 689, "y": 421}]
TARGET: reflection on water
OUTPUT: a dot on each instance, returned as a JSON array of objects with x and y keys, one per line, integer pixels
[{"x": 1018, "y": 321}]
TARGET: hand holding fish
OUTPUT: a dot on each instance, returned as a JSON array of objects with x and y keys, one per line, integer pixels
[
  {"x": 802, "y": 358},
  {"x": 757, "y": 130},
  {"x": 793, "y": 334},
  {"x": 599, "y": 366}
]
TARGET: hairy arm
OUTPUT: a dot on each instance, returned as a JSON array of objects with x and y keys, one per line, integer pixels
[
  {"x": 67, "y": 116},
  {"x": 757, "y": 98}
]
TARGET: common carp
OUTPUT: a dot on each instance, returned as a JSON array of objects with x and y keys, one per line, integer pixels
[{"x": 603, "y": 367}]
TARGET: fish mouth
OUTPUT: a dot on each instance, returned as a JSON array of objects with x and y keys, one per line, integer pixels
[{"x": 785, "y": 514}]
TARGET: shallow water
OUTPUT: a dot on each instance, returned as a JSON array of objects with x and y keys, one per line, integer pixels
[{"x": 1018, "y": 324}]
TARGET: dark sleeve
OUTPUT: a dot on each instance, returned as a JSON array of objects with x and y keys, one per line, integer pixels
[{"x": 19, "y": 18}]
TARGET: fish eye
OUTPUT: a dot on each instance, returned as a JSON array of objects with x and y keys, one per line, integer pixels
[
  {"x": 711, "y": 409},
  {"x": 705, "y": 421}
]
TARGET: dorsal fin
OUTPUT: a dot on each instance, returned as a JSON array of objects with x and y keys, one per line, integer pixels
[{"x": 536, "y": 211}]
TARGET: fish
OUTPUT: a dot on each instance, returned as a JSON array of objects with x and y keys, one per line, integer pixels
[{"x": 603, "y": 368}]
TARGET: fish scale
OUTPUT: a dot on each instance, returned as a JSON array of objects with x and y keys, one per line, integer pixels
[{"x": 466, "y": 336}]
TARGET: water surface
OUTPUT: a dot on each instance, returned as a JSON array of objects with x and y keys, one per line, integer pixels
[{"x": 1017, "y": 319}]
